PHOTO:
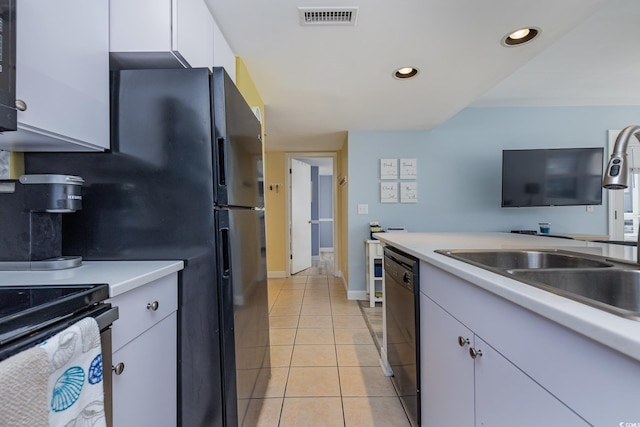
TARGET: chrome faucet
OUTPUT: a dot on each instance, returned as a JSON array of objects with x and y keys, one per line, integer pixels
[{"x": 616, "y": 176}]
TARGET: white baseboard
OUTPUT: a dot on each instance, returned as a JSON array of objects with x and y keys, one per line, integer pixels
[
  {"x": 357, "y": 295},
  {"x": 386, "y": 369},
  {"x": 277, "y": 274}
]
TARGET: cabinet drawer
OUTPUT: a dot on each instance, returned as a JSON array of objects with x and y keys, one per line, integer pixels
[{"x": 136, "y": 308}]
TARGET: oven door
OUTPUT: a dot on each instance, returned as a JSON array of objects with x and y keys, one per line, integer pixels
[
  {"x": 8, "y": 113},
  {"x": 105, "y": 315}
]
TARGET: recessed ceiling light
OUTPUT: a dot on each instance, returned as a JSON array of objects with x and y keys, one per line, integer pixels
[
  {"x": 521, "y": 36},
  {"x": 405, "y": 72}
]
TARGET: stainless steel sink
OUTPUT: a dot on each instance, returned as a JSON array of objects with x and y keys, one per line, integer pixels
[
  {"x": 521, "y": 259},
  {"x": 615, "y": 290},
  {"x": 596, "y": 281}
]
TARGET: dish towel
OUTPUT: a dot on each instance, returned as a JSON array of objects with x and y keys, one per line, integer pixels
[
  {"x": 23, "y": 389},
  {"x": 75, "y": 394}
]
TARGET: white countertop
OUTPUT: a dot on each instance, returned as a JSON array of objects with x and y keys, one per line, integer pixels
[
  {"x": 619, "y": 333},
  {"x": 121, "y": 276}
]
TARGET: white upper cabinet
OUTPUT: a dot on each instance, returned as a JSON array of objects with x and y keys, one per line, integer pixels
[
  {"x": 160, "y": 34},
  {"x": 62, "y": 75}
]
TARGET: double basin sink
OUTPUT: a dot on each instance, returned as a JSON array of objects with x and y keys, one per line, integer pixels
[{"x": 597, "y": 281}]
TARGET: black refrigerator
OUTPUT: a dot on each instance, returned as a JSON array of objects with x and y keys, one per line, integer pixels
[{"x": 183, "y": 180}]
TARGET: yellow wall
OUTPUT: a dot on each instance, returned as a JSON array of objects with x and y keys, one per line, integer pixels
[
  {"x": 276, "y": 201},
  {"x": 16, "y": 165},
  {"x": 249, "y": 91},
  {"x": 343, "y": 217}
]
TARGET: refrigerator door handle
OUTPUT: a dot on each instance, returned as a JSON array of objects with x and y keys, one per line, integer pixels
[
  {"x": 224, "y": 246},
  {"x": 222, "y": 173}
]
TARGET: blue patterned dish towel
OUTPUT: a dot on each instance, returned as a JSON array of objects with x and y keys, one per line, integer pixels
[{"x": 75, "y": 393}]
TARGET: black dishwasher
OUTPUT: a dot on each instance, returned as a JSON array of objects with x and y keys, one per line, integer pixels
[{"x": 402, "y": 304}]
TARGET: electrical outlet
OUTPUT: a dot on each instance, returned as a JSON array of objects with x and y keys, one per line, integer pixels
[{"x": 363, "y": 209}]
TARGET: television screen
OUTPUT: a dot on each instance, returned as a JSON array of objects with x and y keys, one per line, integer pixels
[{"x": 552, "y": 177}]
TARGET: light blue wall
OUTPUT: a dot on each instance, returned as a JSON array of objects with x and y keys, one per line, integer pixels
[
  {"x": 459, "y": 172},
  {"x": 325, "y": 191}
]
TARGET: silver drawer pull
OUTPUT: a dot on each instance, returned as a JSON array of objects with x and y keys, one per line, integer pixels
[
  {"x": 153, "y": 306},
  {"x": 118, "y": 369},
  {"x": 21, "y": 105},
  {"x": 475, "y": 353},
  {"x": 463, "y": 341}
]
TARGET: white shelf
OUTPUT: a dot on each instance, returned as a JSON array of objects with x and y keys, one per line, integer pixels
[{"x": 375, "y": 271}]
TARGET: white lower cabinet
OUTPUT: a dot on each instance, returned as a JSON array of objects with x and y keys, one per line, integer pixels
[
  {"x": 144, "y": 394},
  {"x": 446, "y": 376},
  {"x": 144, "y": 362},
  {"x": 466, "y": 382},
  {"x": 505, "y": 396},
  {"x": 532, "y": 372}
]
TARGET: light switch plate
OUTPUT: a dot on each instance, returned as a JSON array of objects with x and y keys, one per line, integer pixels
[{"x": 363, "y": 209}]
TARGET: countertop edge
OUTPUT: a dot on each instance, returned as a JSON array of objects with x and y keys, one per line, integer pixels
[
  {"x": 144, "y": 278},
  {"x": 121, "y": 276}
]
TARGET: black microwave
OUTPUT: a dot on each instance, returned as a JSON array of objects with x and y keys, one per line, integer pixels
[{"x": 8, "y": 113}]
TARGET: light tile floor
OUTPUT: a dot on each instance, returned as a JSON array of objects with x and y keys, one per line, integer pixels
[{"x": 325, "y": 367}]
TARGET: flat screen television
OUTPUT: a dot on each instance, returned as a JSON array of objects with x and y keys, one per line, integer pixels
[{"x": 552, "y": 177}]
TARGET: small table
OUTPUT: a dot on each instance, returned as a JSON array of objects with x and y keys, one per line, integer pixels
[{"x": 375, "y": 271}]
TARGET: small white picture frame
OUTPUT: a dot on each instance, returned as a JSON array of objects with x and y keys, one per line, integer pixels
[
  {"x": 388, "y": 192},
  {"x": 408, "y": 168},
  {"x": 409, "y": 192},
  {"x": 388, "y": 168}
]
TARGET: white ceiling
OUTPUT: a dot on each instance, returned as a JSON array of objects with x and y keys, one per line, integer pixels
[{"x": 319, "y": 82}]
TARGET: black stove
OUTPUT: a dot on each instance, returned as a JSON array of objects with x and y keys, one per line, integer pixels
[{"x": 31, "y": 314}]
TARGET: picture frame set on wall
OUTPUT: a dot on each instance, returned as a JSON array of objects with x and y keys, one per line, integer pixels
[{"x": 398, "y": 174}]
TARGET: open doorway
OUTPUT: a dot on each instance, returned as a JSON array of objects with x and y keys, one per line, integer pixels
[{"x": 312, "y": 213}]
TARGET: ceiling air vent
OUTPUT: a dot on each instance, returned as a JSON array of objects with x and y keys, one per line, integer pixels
[{"x": 328, "y": 15}]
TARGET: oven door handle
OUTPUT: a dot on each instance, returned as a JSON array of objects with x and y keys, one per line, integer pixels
[{"x": 106, "y": 318}]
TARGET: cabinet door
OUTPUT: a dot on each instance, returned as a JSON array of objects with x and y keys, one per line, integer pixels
[
  {"x": 161, "y": 34},
  {"x": 446, "y": 368},
  {"x": 62, "y": 74},
  {"x": 505, "y": 396},
  {"x": 144, "y": 394},
  {"x": 194, "y": 35}
]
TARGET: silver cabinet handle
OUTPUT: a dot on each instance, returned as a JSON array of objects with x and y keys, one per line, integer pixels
[
  {"x": 475, "y": 353},
  {"x": 21, "y": 105},
  {"x": 118, "y": 369},
  {"x": 153, "y": 306},
  {"x": 463, "y": 341}
]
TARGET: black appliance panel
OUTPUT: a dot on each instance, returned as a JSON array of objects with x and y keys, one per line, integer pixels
[
  {"x": 245, "y": 317},
  {"x": 8, "y": 113},
  {"x": 238, "y": 146},
  {"x": 402, "y": 302}
]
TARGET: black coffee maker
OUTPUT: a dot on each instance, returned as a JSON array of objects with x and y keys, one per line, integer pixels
[{"x": 31, "y": 209}]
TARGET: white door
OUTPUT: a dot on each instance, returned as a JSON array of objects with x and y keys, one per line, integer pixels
[{"x": 300, "y": 216}]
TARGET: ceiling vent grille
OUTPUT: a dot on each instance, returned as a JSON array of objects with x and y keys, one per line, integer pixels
[{"x": 328, "y": 15}]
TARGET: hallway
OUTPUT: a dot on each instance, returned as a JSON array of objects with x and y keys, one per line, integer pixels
[{"x": 325, "y": 366}]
